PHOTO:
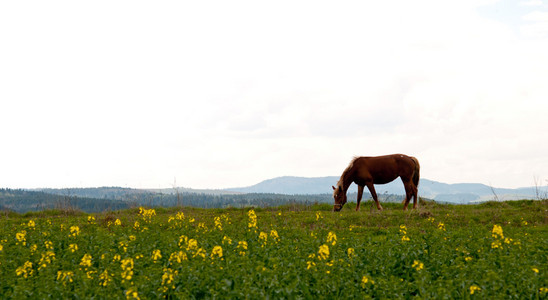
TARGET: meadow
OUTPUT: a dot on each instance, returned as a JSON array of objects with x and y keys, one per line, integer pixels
[{"x": 489, "y": 250}]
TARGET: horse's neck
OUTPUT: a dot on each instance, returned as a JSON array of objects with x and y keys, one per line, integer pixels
[{"x": 346, "y": 179}]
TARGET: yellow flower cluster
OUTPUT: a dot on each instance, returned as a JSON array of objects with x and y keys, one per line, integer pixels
[
  {"x": 147, "y": 214},
  {"x": 263, "y": 237},
  {"x": 218, "y": 224},
  {"x": 417, "y": 265},
  {"x": 86, "y": 261},
  {"x": 73, "y": 247},
  {"x": 227, "y": 240},
  {"x": 323, "y": 252},
  {"x": 403, "y": 232},
  {"x": 497, "y": 232},
  {"x": 217, "y": 252},
  {"x": 242, "y": 247},
  {"x": 156, "y": 255},
  {"x": 274, "y": 235},
  {"x": 25, "y": 270},
  {"x": 252, "y": 220},
  {"x": 74, "y": 231},
  {"x": 474, "y": 288},
  {"x": 132, "y": 294},
  {"x": 31, "y": 224},
  {"x": 332, "y": 238},
  {"x": 127, "y": 269},
  {"x": 105, "y": 278},
  {"x": 350, "y": 252},
  {"x": 46, "y": 259},
  {"x": 65, "y": 276},
  {"x": 21, "y": 237},
  {"x": 168, "y": 278},
  {"x": 366, "y": 280},
  {"x": 178, "y": 257},
  {"x": 441, "y": 226},
  {"x": 499, "y": 238}
]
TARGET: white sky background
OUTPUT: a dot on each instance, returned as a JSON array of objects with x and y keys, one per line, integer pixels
[{"x": 228, "y": 93}]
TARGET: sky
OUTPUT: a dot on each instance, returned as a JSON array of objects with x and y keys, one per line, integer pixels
[{"x": 218, "y": 94}]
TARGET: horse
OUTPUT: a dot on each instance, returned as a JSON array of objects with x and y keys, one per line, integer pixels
[{"x": 367, "y": 171}]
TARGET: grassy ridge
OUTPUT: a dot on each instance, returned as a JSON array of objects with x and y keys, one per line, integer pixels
[{"x": 294, "y": 251}]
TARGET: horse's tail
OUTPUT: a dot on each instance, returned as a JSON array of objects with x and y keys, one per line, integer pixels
[{"x": 416, "y": 174}]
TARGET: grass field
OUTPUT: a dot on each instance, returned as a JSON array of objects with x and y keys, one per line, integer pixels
[{"x": 490, "y": 250}]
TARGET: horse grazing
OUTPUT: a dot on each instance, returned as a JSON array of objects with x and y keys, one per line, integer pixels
[{"x": 367, "y": 171}]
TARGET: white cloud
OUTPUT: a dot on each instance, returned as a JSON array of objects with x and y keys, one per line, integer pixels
[{"x": 223, "y": 94}]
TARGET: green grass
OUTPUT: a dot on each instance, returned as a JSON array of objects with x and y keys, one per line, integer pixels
[{"x": 437, "y": 251}]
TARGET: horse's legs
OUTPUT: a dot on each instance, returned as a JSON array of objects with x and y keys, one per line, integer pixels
[
  {"x": 409, "y": 192},
  {"x": 371, "y": 188},
  {"x": 415, "y": 196},
  {"x": 360, "y": 193}
]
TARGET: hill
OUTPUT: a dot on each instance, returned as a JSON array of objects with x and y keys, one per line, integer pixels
[{"x": 454, "y": 193}]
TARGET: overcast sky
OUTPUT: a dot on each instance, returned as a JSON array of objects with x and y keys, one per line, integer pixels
[{"x": 216, "y": 94}]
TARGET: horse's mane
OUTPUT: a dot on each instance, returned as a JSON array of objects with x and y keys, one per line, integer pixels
[{"x": 345, "y": 172}]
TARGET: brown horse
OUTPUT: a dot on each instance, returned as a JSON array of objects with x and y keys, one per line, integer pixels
[{"x": 367, "y": 171}]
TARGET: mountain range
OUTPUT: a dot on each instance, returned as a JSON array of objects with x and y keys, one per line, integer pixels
[{"x": 454, "y": 193}]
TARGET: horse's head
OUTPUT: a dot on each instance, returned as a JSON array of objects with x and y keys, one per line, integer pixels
[{"x": 340, "y": 198}]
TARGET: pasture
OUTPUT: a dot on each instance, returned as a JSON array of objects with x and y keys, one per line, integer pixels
[{"x": 489, "y": 250}]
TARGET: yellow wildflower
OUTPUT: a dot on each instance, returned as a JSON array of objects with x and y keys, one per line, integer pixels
[
  {"x": 242, "y": 247},
  {"x": 25, "y": 270},
  {"x": 274, "y": 235},
  {"x": 417, "y": 265},
  {"x": 132, "y": 294},
  {"x": 227, "y": 240},
  {"x": 441, "y": 226},
  {"x": 105, "y": 278},
  {"x": 91, "y": 219},
  {"x": 474, "y": 288},
  {"x": 468, "y": 258},
  {"x": 192, "y": 244},
  {"x": 46, "y": 259},
  {"x": 65, "y": 276},
  {"x": 217, "y": 252},
  {"x": 74, "y": 231},
  {"x": 350, "y": 252},
  {"x": 156, "y": 255},
  {"x": 31, "y": 224},
  {"x": 177, "y": 257},
  {"x": 86, "y": 261},
  {"x": 118, "y": 222},
  {"x": 323, "y": 252},
  {"x": 73, "y": 248},
  {"x": 497, "y": 232},
  {"x": 127, "y": 268},
  {"x": 263, "y": 237},
  {"x": 405, "y": 238},
  {"x": 332, "y": 238},
  {"x": 318, "y": 215},
  {"x": 200, "y": 252},
  {"x": 252, "y": 219},
  {"x": 168, "y": 278},
  {"x": 366, "y": 280},
  {"x": 543, "y": 290},
  {"x": 21, "y": 237},
  {"x": 48, "y": 245},
  {"x": 535, "y": 270},
  {"x": 218, "y": 223}
]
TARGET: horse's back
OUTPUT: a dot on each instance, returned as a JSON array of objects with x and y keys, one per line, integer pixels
[{"x": 386, "y": 168}]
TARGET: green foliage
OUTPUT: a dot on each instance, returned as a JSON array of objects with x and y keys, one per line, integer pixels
[{"x": 292, "y": 251}]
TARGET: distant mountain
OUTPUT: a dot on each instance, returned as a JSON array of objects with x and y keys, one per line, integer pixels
[{"x": 455, "y": 193}]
